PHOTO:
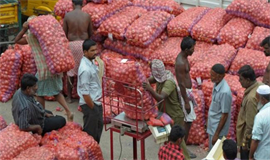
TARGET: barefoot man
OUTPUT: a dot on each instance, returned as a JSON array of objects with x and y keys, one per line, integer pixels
[
  {"x": 77, "y": 27},
  {"x": 182, "y": 69}
]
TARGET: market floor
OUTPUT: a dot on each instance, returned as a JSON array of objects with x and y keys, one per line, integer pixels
[{"x": 151, "y": 148}]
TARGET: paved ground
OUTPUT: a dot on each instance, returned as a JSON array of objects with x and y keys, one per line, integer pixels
[{"x": 127, "y": 146}]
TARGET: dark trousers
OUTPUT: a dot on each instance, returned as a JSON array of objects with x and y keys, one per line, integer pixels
[
  {"x": 53, "y": 123},
  {"x": 244, "y": 154},
  {"x": 93, "y": 121}
]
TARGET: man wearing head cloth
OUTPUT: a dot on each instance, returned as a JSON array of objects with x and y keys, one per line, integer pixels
[
  {"x": 167, "y": 90},
  {"x": 219, "y": 113},
  {"x": 260, "y": 145}
]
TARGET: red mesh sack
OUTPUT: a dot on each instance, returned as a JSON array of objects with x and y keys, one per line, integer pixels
[
  {"x": 138, "y": 52},
  {"x": 168, "y": 51},
  {"x": 62, "y": 7},
  {"x": 197, "y": 133},
  {"x": 35, "y": 153},
  {"x": 10, "y": 72},
  {"x": 166, "y": 119},
  {"x": 118, "y": 23},
  {"x": 240, "y": 96},
  {"x": 155, "y": 122},
  {"x": 235, "y": 32},
  {"x": 3, "y": 123},
  {"x": 183, "y": 23},
  {"x": 199, "y": 52},
  {"x": 258, "y": 35},
  {"x": 147, "y": 28},
  {"x": 13, "y": 142},
  {"x": 112, "y": 108},
  {"x": 256, "y": 59},
  {"x": 100, "y": 12},
  {"x": 257, "y": 11},
  {"x": 232, "y": 129},
  {"x": 53, "y": 42},
  {"x": 169, "y": 6},
  {"x": 223, "y": 54},
  {"x": 97, "y": 37},
  {"x": 208, "y": 27}
]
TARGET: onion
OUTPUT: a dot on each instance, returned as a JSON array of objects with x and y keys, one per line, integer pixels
[
  {"x": 3, "y": 123},
  {"x": 36, "y": 153},
  {"x": 258, "y": 35}
]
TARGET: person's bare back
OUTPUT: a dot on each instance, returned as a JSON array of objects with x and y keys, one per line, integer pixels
[{"x": 77, "y": 25}]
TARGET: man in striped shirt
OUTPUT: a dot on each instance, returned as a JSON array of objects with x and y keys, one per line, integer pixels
[{"x": 28, "y": 113}]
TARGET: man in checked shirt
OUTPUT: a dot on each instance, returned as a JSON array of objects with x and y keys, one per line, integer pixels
[{"x": 172, "y": 150}]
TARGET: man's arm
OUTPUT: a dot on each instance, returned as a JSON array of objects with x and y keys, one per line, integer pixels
[
  {"x": 180, "y": 72},
  {"x": 221, "y": 124},
  {"x": 266, "y": 76},
  {"x": 152, "y": 80},
  {"x": 158, "y": 97},
  {"x": 253, "y": 148},
  {"x": 90, "y": 27},
  {"x": 88, "y": 101},
  {"x": 34, "y": 128},
  {"x": 84, "y": 88},
  {"x": 65, "y": 26},
  {"x": 19, "y": 38}
]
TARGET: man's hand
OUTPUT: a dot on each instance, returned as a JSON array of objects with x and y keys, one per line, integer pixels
[
  {"x": 187, "y": 107},
  {"x": 48, "y": 115},
  {"x": 245, "y": 148},
  {"x": 25, "y": 25},
  {"x": 215, "y": 138},
  {"x": 146, "y": 86},
  {"x": 39, "y": 130}
]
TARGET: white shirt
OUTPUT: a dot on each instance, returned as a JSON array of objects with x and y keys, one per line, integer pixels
[
  {"x": 261, "y": 132},
  {"x": 88, "y": 81}
]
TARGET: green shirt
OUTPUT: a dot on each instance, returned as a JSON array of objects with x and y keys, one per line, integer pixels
[{"x": 172, "y": 104}]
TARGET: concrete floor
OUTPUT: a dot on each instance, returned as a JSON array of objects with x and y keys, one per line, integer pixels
[{"x": 151, "y": 148}]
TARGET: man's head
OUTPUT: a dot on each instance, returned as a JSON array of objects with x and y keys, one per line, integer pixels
[
  {"x": 77, "y": 2},
  {"x": 187, "y": 45},
  {"x": 89, "y": 49},
  {"x": 158, "y": 70},
  {"x": 229, "y": 148},
  {"x": 266, "y": 45},
  {"x": 217, "y": 73},
  {"x": 246, "y": 76},
  {"x": 263, "y": 95},
  {"x": 177, "y": 134},
  {"x": 29, "y": 84}
]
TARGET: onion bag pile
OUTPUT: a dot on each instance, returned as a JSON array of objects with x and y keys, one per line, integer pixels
[
  {"x": 113, "y": 106},
  {"x": 183, "y": 23},
  {"x": 118, "y": 23},
  {"x": 234, "y": 113},
  {"x": 62, "y": 7},
  {"x": 258, "y": 35},
  {"x": 256, "y": 59},
  {"x": 53, "y": 42},
  {"x": 130, "y": 72},
  {"x": 97, "y": 1},
  {"x": 199, "y": 52},
  {"x": 10, "y": 72},
  {"x": 96, "y": 36},
  {"x": 223, "y": 54},
  {"x": 70, "y": 142},
  {"x": 257, "y": 11},
  {"x": 28, "y": 63},
  {"x": 100, "y": 12},
  {"x": 197, "y": 133},
  {"x": 240, "y": 96},
  {"x": 138, "y": 52},
  {"x": 208, "y": 27},
  {"x": 235, "y": 32},
  {"x": 147, "y": 28},
  {"x": 35, "y": 153},
  {"x": 3, "y": 123},
  {"x": 168, "y": 51},
  {"x": 169, "y": 6},
  {"x": 13, "y": 142}
]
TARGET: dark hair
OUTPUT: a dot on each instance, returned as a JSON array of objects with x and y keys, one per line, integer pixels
[
  {"x": 77, "y": 2},
  {"x": 176, "y": 133},
  {"x": 28, "y": 80},
  {"x": 87, "y": 44},
  {"x": 247, "y": 71},
  {"x": 229, "y": 148},
  {"x": 218, "y": 68},
  {"x": 266, "y": 41},
  {"x": 187, "y": 43}
]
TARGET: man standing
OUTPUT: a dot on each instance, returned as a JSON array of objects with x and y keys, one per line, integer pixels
[
  {"x": 260, "y": 145},
  {"x": 166, "y": 89},
  {"x": 172, "y": 150},
  {"x": 29, "y": 114},
  {"x": 248, "y": 109},
  {"x": 78, "y": 27},
  {"x": 90, "y": 92},
  {"x": 266, "y": 45},
  {"x": 219, "y": 114},
  {"x": 182, "y": 69}
]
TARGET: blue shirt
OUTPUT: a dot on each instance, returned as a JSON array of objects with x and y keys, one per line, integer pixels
[
  {"x": 88, "y": 81},
  {"x": 221, "y": 103},
  {"x": 261, "y": 132}
]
